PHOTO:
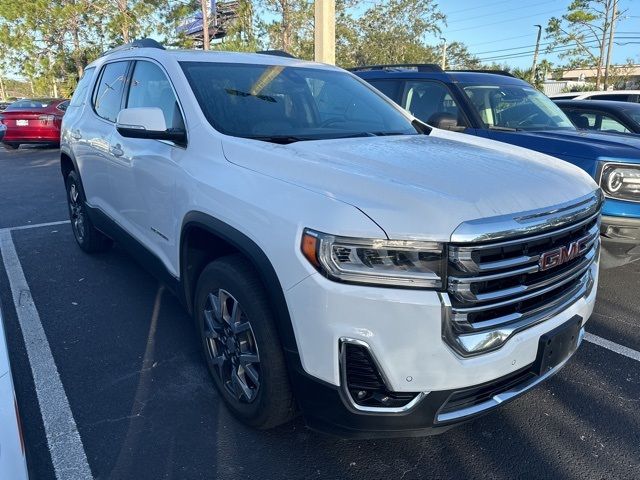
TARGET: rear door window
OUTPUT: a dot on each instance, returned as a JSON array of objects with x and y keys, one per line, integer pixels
[{"x": 107, "y": 97}]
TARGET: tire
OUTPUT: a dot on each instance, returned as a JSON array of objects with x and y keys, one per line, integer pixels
[
  {"x": 89, "y": 239},
  {"x": 10, "y": 145},
  {"x": 230, "y": 281}
]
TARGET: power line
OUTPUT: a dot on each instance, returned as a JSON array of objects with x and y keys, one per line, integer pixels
[
  {"x": 504, "y": 21},
  {"x": 501, "y": 40},
  {"x": 559, "y": 49},
  {"x": 493, "y": 13},
  {"x": 543, "y": 44},
  {"x": 484, "y": 5},
  {"x": 506, "y": 49}
]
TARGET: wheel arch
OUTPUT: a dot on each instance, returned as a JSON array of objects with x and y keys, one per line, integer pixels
[
  {"x": 227, "y": 239},
  {"x": 68, "y": 164}
]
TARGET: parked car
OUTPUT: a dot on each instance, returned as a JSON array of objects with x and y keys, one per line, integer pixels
[
  {"x": 602, "y": 115},
  {"x": 13, "y": 463},
  {"x": 501, "y": 107},
  {"x": 336, "y": 253},
  {"x": 615, "y": 95},
  {"x": 33, "y": 120}
]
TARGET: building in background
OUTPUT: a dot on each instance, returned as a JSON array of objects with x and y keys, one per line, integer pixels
[{"x": 220, "y": 15}]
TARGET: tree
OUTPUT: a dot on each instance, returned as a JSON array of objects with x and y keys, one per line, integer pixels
[
  {"x": 395, "y": 32},
  {"x": 459, "y": 57},
  {"x": 130, "y": 19},
  {"x": 240, "y": 33},
  {"x": 583, "y": 31},
  {"x": 292, "y": 29}
]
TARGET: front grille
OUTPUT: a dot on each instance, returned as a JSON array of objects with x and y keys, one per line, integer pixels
[
  {"x": 478, "y": 395},
  {"x": 502, "y": 286}
]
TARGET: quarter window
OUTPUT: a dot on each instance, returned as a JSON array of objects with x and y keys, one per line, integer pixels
[
  {"x": 391, "y": 88},
  {"x": 80, "y": 94},
  {"x": 150, "y": 87},
  {"x": 107, "y": 100}
]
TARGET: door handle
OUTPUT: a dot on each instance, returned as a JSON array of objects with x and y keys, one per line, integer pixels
[
  {"x": 76, "y": 135},
  {"x": 117, "y": 151}
]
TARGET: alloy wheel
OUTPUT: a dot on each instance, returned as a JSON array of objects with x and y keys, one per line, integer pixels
[
  {"x": 231, "y": 346},
  {"x": 77, "y": 212}
]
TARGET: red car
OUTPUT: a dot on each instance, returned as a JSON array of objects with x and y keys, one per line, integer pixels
[{"x": 35, "y": 120}]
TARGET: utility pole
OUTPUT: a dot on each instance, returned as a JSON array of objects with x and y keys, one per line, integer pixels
[
  {"x": 325, "y": 31},
  {"x": 612, "y": 32},
  {"x": 443, "y": 62},
  {"x": 204, "y": 6},
  {"x": 535, "y": 55}
]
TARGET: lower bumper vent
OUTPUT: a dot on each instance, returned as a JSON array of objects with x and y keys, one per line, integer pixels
[{"x": 364, "y": 383}]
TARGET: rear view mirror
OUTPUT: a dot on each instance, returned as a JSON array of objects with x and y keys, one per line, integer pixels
[{"x": 147, "y": 122}]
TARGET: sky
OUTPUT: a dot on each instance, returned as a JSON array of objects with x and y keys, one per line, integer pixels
[{"x": 487, "y": 26}]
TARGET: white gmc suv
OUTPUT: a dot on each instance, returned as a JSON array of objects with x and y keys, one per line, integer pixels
[{"x": 339, "y": 257}]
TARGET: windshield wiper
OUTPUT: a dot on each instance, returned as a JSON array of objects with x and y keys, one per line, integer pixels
[
  {"x": 239, "y": 93},
  {"x": 280, "y": 139},
  {"x": 504, "y": 129}
]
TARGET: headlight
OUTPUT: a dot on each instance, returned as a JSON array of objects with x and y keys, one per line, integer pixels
[
  {"x": 621, "y": 181},
  {"x": 398, "y": 263}
]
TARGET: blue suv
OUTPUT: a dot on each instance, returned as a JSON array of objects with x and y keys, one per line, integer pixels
[{"x": 501, "y": 107}]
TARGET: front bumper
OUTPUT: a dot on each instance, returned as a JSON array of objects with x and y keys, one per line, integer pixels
[
  {"x": 403, "y": 329},
  {"x": 325, "y": 410},
  {"x": 623, "y": 230},
  {"x": 620, "y": 240}
]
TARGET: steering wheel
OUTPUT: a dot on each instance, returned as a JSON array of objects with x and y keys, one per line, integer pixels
[{"x": 527, "y": 118}]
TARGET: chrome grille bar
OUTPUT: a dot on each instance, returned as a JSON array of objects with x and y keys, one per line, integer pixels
[
  {"x": 501, "y": 284},
  {"x": 461, "y": 288}
]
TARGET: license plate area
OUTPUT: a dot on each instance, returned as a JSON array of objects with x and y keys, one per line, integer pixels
[
  {"x": 22, "y": 123},
  {"x": 557, "y": 345}
]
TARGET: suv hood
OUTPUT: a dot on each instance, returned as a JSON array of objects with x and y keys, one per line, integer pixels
[
  {"x": 419, "y": 187},
  {"x": 575, "y": 143}
]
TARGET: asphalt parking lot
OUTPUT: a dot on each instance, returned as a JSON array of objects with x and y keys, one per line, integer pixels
[{"x": 143, "y": 407}]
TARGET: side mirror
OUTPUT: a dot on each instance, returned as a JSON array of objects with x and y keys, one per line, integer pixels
[
  {"x": 445, "y": 121},
  {"x": 147, "y": 122}
]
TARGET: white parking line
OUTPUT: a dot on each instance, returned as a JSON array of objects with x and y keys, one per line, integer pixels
[
  {"x": 65, "y": 445},
  {"x": 614, "y": 347},
  {"x": 38, "y": 225}
]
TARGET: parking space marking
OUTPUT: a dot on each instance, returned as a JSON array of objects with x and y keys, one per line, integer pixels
[
  {"x": 614, "y": 347},
  {"x": 37, "y": 225},
  {"x": 65, "y": 445}
]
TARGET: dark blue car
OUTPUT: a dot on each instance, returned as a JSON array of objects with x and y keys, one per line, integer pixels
[{"x": 504, "y": 108}]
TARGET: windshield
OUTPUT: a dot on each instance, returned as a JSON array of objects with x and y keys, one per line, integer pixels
[
  {"x": 516, "y": 107},
  {"x": 287, "y": 104}
]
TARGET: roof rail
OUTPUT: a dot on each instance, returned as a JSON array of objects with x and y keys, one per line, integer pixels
[
  {"x": 421, "y": 67},
  {"x": 276, "y": 53},
  {"x": 495, "y": 72},
  {"x": 141, "y": 43}
]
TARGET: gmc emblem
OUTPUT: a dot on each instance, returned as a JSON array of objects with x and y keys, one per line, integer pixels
[{"x": 555, "y": 258}]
